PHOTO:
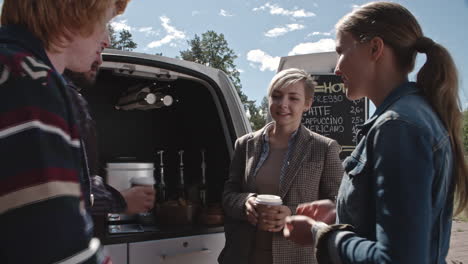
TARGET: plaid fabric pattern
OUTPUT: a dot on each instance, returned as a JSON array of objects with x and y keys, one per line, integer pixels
[{"x": 313, "y": 171}]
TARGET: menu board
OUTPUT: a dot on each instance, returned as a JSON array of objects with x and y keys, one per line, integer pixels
[{"x": 335, "y": 116}]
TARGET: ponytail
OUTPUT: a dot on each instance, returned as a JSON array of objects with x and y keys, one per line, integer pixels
[{"x": 438, "y": 79}]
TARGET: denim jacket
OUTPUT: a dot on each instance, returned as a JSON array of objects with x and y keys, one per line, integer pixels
[{"x": 397, "y": 191}]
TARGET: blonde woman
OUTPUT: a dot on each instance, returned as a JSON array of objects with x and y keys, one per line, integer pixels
[{"x": 286, "y": 159}]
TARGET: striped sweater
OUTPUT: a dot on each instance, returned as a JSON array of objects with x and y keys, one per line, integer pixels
[{"x": 42, "y": 215}]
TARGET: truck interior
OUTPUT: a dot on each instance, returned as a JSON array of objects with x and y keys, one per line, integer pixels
[{"x": 194, "y": 121}]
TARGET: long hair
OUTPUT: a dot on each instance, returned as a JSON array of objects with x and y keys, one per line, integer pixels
[
  {"x": 437, "y": 79},
  {"x": 53, "y": 21}
]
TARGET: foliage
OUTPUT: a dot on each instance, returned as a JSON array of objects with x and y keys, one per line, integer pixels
[
  {"x": 123, "y": 42},
  {"x": 212, "y": 49},
  {"x": 258, "y": 115},
  {"x": 257, "y": 120},
  {"x": 264, "y": 107}
]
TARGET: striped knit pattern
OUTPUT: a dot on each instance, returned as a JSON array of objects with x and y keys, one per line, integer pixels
[{"x": 42, "y": 217}]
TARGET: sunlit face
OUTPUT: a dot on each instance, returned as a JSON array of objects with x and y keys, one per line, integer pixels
[
  {"x": 287, "y": 104},
  {"x": 353, "y": 65},
  {"x": 83, "y": 52}
]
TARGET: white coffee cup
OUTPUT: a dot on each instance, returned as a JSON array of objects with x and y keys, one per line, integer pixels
[{"x": 264, "y": 203}]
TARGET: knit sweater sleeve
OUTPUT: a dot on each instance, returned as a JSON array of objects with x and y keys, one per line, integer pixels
[{"x": 42, "y": 216}]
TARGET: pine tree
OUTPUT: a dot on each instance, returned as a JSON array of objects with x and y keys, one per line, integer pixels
[
  {"x": 211, "y": 49},
  {"x": 112, "y": 35},
  {"x": 123, "y": 42}
]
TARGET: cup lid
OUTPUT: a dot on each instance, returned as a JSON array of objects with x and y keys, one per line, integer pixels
[
  {"x": 129, "y": 166},
  {"x": 142, "y": 180},
  {"x": 269, "y": 199}
]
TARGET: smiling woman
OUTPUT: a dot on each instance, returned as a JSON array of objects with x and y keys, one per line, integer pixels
[
  {"x": 395, "y": 203},
  {"x": 286, "y": 159}
]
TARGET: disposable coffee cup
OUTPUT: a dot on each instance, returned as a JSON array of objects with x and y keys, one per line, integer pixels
[
  {"x": 264, "y": 201},
  {"x": 142, "y": 181}
]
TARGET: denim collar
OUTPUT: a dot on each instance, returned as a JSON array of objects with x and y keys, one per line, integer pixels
[
  {"x": 403, "y": 89},
  {"x": 266, "y": 135},
  {"x": 265, "y": 149},
  {"x": 19, "y": 35}
]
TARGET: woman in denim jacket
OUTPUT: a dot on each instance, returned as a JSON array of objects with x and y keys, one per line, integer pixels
[{"x": 395, "y": 203}]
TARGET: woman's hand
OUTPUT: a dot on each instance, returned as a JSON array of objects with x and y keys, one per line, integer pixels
[
  {"x": 273, "y": 217},
  {"x": 321, "y": 210},
  {"x": 251, "y": 210},
  {"x": 298, "y": 229}
]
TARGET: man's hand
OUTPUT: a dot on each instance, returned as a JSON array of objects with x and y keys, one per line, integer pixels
[
  {"x": 298, "y": 229},
  {"x": 139, "y": 199},
  {"x": 321, "y": 210}
]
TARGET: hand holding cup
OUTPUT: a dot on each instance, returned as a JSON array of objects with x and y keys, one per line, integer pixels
[
  {"x": 271, "y": 213},
  {"x": 140, "y": 197}
]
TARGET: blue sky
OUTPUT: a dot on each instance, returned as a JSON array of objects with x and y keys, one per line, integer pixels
[{"x": 260, "y": 31}]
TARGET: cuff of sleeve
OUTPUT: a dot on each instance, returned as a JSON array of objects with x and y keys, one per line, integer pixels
[
  {"x": 327, "y": 240},
  {"x": 318, "y": 228},
  {"x": 250, "y": 195},
  {"x": 334, "y": 242},
  {"x": 106, "y": 199},
  {"x": 243, "y": 213},
  {"x": 120, "y": 204}
]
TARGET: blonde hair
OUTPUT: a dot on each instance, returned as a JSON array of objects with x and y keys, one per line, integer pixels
[
  {"x": 437, "y": 79},
  {"x": 52, "y": 21},
  {"x": 291, "y": 76}
]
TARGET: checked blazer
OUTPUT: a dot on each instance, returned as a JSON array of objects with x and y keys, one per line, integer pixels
[{"x": 313, "y": 172}]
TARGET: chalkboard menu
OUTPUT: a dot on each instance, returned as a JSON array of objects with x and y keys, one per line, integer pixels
[{"x": 333, "y": 115}]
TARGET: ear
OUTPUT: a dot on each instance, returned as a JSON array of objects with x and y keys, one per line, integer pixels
[
  {"x": 377, "y": 47},
  {"x": 308, "y": 104}
]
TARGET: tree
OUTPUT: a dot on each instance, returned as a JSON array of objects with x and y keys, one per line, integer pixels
[
  {"x": 112, "y": 36},
  {"x": 123, "y": 42},
  {"x": 212, "y": 50},
  {"x": 264, "y": 107},
  {"x": 258, "y": 115},
  {"x": 256, "y": 119}
]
